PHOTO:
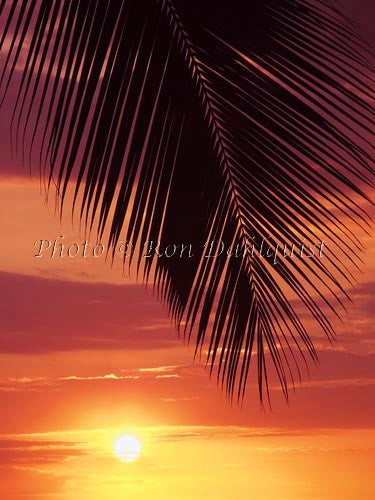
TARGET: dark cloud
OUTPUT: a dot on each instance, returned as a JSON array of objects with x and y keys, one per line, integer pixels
[
  {"x": 233, "y": 432},
  {"x": 42, "y": 315},
  {"x": 24, "y": 452},
  {"x": 28, "y": 443},
  {"x": 337, "y": 364},
  {"x": 363, "y": 13}
]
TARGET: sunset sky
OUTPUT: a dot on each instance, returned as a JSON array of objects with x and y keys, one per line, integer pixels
[{"x": 87, "y": 355}]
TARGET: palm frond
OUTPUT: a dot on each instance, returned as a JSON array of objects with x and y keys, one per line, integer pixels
[{"x": 206, "y": 121}]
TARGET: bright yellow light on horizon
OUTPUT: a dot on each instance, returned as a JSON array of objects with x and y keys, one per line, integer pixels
[{"x": 127, "y": 448}]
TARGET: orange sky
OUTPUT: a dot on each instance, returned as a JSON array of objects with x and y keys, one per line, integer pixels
[{"x": 87, "y": 355}]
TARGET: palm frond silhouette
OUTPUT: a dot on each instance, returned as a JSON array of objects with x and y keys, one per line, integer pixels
[{"x": 196, "y": 121}]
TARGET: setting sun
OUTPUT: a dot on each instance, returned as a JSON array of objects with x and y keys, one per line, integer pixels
[{"x": 127, "y": 448}]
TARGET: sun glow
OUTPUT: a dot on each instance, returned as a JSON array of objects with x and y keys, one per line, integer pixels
[{"x": 127, "y": 448}]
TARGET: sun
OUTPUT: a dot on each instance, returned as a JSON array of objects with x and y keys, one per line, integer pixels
[{"x": 127, "y": 448}]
